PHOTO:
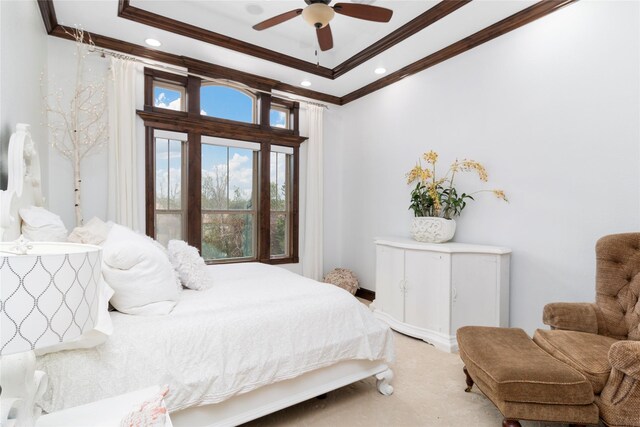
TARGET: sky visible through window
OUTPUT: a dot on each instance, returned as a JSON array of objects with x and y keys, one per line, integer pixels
[
  {"x": 217, "y": 160},
  {"x": 226, "y": 103},
  {"x": 166, "y": 98},
  {"x": 278, "y": 119}
]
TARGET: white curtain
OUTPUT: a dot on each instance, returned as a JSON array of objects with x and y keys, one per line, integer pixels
[
  {"x": 313, "y": 228},
  {"x": 123, "y": 197}
]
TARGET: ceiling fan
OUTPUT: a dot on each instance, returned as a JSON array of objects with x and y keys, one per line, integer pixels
[{"x": 319, "y": 14}]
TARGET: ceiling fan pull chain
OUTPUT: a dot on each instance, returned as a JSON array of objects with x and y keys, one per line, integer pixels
[{"x": 317, "y": 59}]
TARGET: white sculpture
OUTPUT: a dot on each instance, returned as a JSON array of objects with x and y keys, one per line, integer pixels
[
  {"x": 24, "y": 386},
  {"x": 23, "y": 182},
  {"x": 80, "y": 128}
]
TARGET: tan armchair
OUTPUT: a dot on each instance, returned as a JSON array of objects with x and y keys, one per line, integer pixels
[{"x": 602, "y": 340}]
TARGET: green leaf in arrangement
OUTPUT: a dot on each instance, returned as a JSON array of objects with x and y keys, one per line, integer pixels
[{"x": 433, "y": 196}]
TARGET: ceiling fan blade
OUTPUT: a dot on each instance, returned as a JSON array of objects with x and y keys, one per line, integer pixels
[
  {"x": 279, "y": 19},
  {"x": 364, "y": 11},
  {"x": 325, "y": 38}
]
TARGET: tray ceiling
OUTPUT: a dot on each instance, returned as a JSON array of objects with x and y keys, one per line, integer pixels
[{"x": 295, "y": 39}]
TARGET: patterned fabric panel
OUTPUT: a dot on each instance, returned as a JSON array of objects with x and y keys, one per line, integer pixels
[{"x": 46, "y": 300}]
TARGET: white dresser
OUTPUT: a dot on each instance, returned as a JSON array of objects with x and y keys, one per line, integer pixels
[{"x": 429, "y": 290}]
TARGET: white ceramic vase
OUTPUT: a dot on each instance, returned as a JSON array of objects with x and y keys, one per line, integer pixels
[{"x": 432, "y": 229}]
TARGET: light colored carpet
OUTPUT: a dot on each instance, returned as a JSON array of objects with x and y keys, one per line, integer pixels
[{"x": 428, "y": 391}]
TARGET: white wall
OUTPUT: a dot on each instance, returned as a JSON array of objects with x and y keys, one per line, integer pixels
[
  {"x": 334, "y": 173},
  {"x": 551, "y": 109},
  {"x": 20, "y": 71}
]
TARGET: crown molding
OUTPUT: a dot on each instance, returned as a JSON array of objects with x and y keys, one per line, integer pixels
[
  {"x": 141, "y": 16},
  {"x": 197, "y": 66},
  {"x": 513, "y": 22},
  {"x": 434, "y": 14},
  {"x": 431, "y": 16}
]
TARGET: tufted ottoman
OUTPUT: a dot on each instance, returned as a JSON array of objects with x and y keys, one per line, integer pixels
[{"x": 522, "y": 380}]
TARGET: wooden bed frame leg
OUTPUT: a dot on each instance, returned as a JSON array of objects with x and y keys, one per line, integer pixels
[
  {"x": 510, "y": 423},
  {"x": 468, "y": 379},
  {"x": 384, "y": 382}
]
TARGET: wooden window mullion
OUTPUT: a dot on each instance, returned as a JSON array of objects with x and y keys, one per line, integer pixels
[
  {"x": 194, "y": 190},
  {"x": 265, "y": 111},
  {"x": 150, "y": 180},
  {"x": 296, "y": 118},
  {"x": 295, "y": 202},
  {"x": 193, "y": 96}
]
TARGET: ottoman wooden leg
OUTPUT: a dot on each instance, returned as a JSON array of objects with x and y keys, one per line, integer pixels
[
  {"x": 510, "y": 423},
  {"x": 468, "y": 379}
]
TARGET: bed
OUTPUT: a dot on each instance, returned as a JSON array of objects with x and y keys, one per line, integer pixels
[{"x": 261, "y": 339}]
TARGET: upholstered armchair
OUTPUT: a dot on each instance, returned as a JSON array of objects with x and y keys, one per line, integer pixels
[{"x": 602, "y": 339}]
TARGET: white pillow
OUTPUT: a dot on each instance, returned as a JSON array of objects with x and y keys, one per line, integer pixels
[
  {"x": 139, "y": 272},
  {"x": 94, "y": 232},
  {"x": 40, "y": 225},
  {"x": 191, "y": 268}
]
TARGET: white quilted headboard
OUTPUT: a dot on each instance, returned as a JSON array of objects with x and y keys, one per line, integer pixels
[{"x": 23, "y": 182}]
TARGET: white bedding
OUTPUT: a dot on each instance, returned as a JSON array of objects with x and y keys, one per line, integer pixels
[{"x": 257, "y": 325}]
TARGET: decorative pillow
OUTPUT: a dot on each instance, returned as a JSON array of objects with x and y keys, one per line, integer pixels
[
  {"x": 94, "y": 232},
  {"x": 40, "y": 225},
  {"x": 150, "y": 413},
  {"x": 139, "y": 272},
  {"x": 189, "y": 265}
]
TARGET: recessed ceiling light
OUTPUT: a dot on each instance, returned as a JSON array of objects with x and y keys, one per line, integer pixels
[
  {"x": 380, "y": 70},
  {"x": 305, "y": 83},
  {"x": 153, "y": 42}
]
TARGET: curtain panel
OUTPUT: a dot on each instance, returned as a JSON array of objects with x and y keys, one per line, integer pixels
[
  {"x": 123, "y": 197},
  {"x": 312, "y": 262}
]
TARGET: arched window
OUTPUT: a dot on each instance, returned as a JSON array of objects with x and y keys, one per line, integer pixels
[
  {"x": 222, "y": 173},
  {"x": 228, "y": 103}
]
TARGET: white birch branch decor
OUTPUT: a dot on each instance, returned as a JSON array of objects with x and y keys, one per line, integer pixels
[{"x": 78, "y": 128}]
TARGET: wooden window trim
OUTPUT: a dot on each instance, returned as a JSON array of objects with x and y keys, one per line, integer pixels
[
  {"x": 294, "y": 113},
  {"x": 151, "y": 76},
  {"x": 196, "y": 125}
]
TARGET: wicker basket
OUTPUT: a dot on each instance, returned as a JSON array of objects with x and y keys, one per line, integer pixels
[{"x": 343, "y": 278}]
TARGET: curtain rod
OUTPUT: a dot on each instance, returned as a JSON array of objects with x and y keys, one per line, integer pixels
[{"x": 184, "y": 72}]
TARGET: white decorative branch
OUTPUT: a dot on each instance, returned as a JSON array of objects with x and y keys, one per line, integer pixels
[{"x": 80, "y": 128}]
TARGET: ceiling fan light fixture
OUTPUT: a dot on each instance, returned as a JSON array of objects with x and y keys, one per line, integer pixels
[{"x": 318, "y": 15}]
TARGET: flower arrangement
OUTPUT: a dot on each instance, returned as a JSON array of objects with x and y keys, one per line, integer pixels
[{"x": 438, "y": 197}]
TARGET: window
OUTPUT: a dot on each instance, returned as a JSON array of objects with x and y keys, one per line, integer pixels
[
  {"x": 219, "y": 175},
  {"x": 228, "y": 199},
  {"x": 169, "y": 178},
  {"x": 227, "y": 103},
  {"x": 280, "y": 191},
  {"x": 279, "y": 117},
  {"x": 169, "y": 96}
]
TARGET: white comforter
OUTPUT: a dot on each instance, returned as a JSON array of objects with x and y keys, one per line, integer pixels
[{"x": 257, "y": 325}]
